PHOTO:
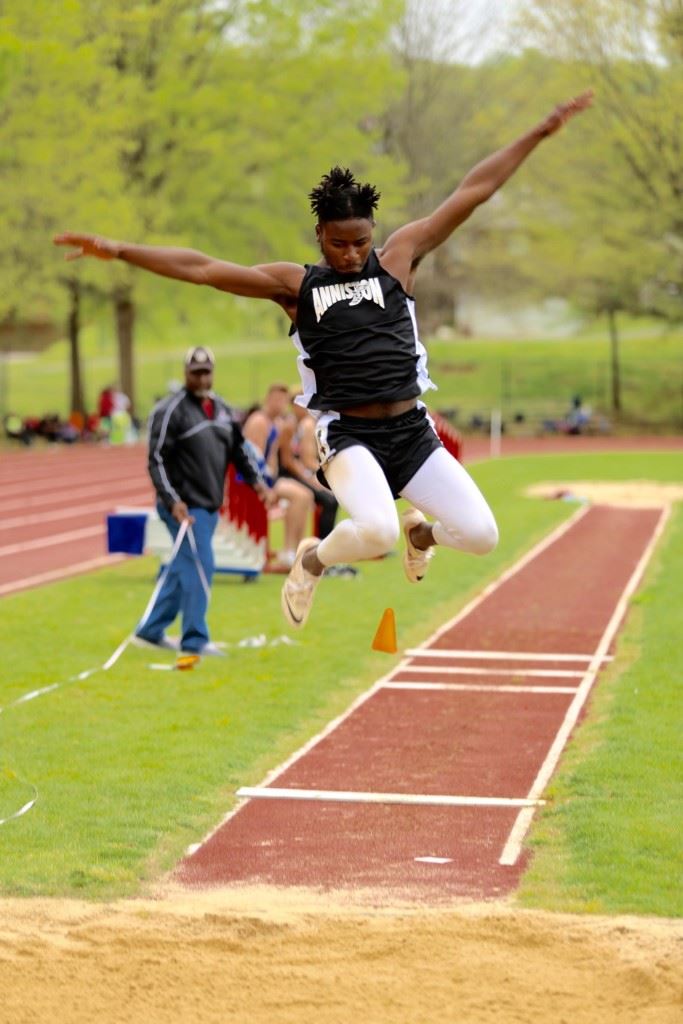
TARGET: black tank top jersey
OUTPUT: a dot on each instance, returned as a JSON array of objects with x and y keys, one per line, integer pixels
[{"x": 357, "y": 339}]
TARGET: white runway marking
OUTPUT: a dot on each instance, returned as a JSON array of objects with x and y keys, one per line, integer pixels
[
  {"x": 441, "y": 652},
  {"x": 462, "y": 670},
  {"x": 476, "y": 688},
  {"x": 360, "y": 797}
]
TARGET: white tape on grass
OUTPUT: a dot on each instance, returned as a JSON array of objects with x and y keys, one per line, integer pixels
[
  {"x": 42, "y": 691},
  {"x": 24, "y": 809}
]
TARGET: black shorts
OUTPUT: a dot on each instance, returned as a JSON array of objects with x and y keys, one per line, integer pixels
[{"x": 401, "y": 444}]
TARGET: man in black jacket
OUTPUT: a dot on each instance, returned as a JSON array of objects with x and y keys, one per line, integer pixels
[{"x": 193, "y": 438}]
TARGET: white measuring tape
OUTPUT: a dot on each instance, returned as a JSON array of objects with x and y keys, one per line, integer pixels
[{"x": 185, "y": 528}]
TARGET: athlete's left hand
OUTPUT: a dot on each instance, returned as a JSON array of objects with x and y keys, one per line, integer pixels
[{"x": 564, "y": 111}]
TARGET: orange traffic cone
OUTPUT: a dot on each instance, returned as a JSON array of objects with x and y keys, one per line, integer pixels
[{"x": 385, "y": 637}]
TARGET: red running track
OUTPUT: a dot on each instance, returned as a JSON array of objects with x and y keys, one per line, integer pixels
[
  {"x": 54, "y": 507},
  {"x": 427, "y": 786},
  {"x": 55, "y": 499}
]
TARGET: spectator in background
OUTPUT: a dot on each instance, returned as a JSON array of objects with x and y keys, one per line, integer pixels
[
  {"x": 575, "y": 421},
  {"x": 262, "y": 428},
  {"x": 579, "y": 416},
  {"x": 105, "y": 407},
  {"x": 122, "y": 429},
  {"x": 53, "y": 428},
  {"x": 193, "y": 438},
  {"x": 16, "y": 429},
  {"x": 299, "y": 461},
  {"x": 105, "y": 402}
]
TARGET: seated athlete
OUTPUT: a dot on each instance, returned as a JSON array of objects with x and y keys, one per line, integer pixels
[
  {"x": 298, "y": 455},
  {"x": 362, "y": 366},
  {"x": 262, "y": 429}
]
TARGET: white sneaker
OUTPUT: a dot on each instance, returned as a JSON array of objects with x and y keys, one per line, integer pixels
[
  {"x": 298, "y": 589},
  {"x": 166, "y": 643},
  {"x": 211, "y": 650},
  {"x": 415, "y": 561}
]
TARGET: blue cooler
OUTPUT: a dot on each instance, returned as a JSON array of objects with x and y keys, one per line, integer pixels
[{"x": 126, "y": 533}]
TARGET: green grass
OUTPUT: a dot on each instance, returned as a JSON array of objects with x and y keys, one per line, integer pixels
[
  {"x": 535, "y": 378},
  {"x": 133, "y": 765}
]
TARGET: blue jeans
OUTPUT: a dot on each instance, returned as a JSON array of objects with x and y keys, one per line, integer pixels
[{"x": 182, "y": 590}]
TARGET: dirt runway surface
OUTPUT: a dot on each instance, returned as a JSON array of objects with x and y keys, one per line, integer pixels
[{"x": 268, "y": 956}]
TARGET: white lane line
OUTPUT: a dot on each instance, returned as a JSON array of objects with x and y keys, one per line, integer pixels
[
  {"x": 60, "y": 491},
  {"x": 360, "y": 797},
  {"x": 52, "y": 539},
  {"x": 442, "y": 652},
  {"x": 473, "y": 687},
  {"x": 58, "y": 574},
  {"x": 466, "y": 670},
  {"x": 60, "y": 484},
  {"x": 72, "y": 511},
  {"x": 513, "y": 846},
  {"x": 433, "y": 860}
]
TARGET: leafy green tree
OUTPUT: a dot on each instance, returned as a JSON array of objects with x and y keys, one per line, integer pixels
[
  {"x": 53, "y": 150},
  {"x": 200, "y": 122},
  {"x": 224, "y": 109},
  {"x": 446, "y": 118},
  {"x": 634, "y": 51},
  {"x": 612, "y": 228}
]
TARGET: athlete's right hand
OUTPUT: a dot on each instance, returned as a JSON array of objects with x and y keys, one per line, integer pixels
[{"x": 88, "y": 245}]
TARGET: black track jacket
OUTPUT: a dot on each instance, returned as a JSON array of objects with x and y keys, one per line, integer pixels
[{"x": 189, "y": 454}]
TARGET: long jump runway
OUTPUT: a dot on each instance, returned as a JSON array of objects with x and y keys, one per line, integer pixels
[{"x": 428, "y": 784}]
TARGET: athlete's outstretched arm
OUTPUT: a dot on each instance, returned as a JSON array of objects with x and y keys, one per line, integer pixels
[
  {"x": 277, "y": 281},
  {"x": 420, "y": 237}
]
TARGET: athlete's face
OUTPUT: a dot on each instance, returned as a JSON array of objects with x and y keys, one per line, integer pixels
[{"x": 345, "y": 244}]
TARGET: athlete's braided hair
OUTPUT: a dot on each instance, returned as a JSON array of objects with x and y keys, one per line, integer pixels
[{"x": 340, "y": 197}]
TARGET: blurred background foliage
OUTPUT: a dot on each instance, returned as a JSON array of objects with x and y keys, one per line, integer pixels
[{"x": 206, "y": 122}]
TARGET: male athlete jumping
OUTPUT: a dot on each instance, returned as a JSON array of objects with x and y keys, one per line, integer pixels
[{"x": 362, "y": 365}]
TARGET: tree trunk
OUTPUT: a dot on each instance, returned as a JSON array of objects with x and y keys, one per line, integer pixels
[
  {"x": 76, "y": 400},
  {"x": 614, "y": 352},
  {"x": 124, "y": 310}
]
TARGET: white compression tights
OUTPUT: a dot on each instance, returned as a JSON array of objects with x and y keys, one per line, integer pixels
[{"x": 441, "y": 489}]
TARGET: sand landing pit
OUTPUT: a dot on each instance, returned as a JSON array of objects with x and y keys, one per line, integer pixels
[
  {"x": 624, "y": 494},
  {"x": 268, "y": 956}
]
